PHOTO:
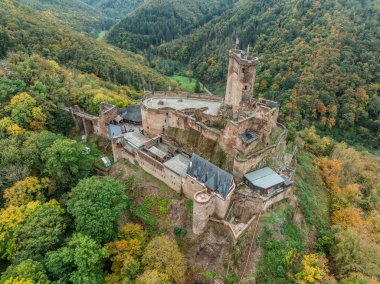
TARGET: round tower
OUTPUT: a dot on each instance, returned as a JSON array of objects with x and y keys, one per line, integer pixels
[{"x": 201, "y": 211}]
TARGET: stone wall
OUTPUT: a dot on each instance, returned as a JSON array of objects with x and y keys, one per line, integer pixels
[
  {"x": 245, "y": 208},
  {"x": 221, "y": 206},
  {"x": 106, "y": 116},
  {"x": 191, "y": 186},
  {"x": 120, "y": 153},
  {"x": 270, "y": 156},
  {"x": 173, "y": 180},
  {"x": 150, "y": 165},
  {"x": 277, "y": 198},
  {"x": 159, "y": 121},
  {"x": 193, "y": 141},
  {"x": 91, "y": 123},
  {"x": 184, "y": 95}
]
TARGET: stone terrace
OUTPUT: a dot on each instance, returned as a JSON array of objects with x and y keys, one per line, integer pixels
[{"x": 183, "y": 103}]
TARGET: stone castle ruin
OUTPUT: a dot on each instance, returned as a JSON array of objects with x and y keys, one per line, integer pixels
[{"x": 228, "y": 156}]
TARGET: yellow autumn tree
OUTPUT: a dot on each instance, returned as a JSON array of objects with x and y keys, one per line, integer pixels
[
  {"x": 153, "y": 277},
  {"x": 25, "y": 113},
  {"x": 25, "y": 191},
  {"x": 15, "y": 130},
  {"x": 126, "y": 253},
  {"x": 313, "y": 269},
  {"x": 38, "y": 119},
  {"x": 330, "y": 169},
  {"x": 5, "y": 123},
  {"x": 19, "y": 281},
  {"x": 10, "y": 218},
  {"x": 347, "y": 217},
  {"x": 7, "y": 126},
  {"x": 163, "y": 254}
]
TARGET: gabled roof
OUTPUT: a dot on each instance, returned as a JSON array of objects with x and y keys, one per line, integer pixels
[
  {"x": 131, "y": 113},
  {"x": 178, "y": 164},
  {"x": 207, "y": 173},
  {"x": 114, "y": 130},
  {"x": 264, "y": 178},
  {"x": 136, "y": 139},
  {"x": 157, "y": 152}
]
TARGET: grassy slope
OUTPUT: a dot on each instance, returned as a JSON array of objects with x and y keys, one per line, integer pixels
[
  {"x": 30, "y": 32},
  {"x": 183, "y": 82},
  {"x": 283, "y": 237},
  {"x": 313, "y": 196}
]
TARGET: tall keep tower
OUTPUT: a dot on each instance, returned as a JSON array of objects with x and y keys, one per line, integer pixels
[{"x": 241, "y": 79}]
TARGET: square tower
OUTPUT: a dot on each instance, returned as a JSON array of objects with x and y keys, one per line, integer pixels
[{"x": 240, "y": 80}]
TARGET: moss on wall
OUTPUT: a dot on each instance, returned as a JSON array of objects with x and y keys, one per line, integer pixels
[{"x": 193, "y": 141}]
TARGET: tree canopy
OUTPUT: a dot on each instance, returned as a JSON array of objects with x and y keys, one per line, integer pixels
[
  {"x": 80, "y": 261},
  {"x": 96, "y": 204},
  {"x": 163, "y": 255}
]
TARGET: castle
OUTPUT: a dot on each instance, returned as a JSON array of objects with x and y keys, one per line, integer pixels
[{"x": 204, "y": 147}]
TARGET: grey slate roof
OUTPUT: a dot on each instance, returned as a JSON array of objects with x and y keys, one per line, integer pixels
[
  {"x": 264, "y": 178},
  {"x": 135, "y": 138},
  {"x": 213, "y": 177},
  {"x": 158, "y": 152},
  {"x": 178, "y": 164},
  {"x": 114, "y": 130},
  {"x": 131, "y": 113}
]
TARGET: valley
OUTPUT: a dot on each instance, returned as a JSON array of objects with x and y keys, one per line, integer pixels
[{"x": 166, "y": 141}]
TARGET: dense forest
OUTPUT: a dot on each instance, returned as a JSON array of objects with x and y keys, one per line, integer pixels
[
  {"x": 157, "y": 22},
  {"x": 65, "y": 219},
  {"x": 88, "y": 16},
  {"x": 22, "y": 30},
  {"x": 74, "y": 13},
  {"x": 317, "y": 58},
  {"x": 115, "y": 8},
  {"x": 51, "y": 231}
]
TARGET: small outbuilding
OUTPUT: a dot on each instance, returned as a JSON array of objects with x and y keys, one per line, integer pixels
[
  {"x": 266, "y": 181},
  {"x": 106, "y": 161}
]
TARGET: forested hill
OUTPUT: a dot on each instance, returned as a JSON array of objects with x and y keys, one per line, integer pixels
[
  {"x": 319, "y": 59},
  {"x": 159, "y": 21},
  {"x": 75, "y": 13},
  {"x": 115, "y": 8},
  {"x": 23, "y": 30},
  {"x": 88, "y": 16}
]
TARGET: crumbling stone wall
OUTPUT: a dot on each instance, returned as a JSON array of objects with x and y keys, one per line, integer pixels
[
  {"x": 91, "y": 123},
  {"x": 240, "y": 80},
  {"x": 193, "y": 141},
  {"x": 120, "y": 153},
  {"x": 107, "y": 114},
  {"x": 271, "y": 156}
]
